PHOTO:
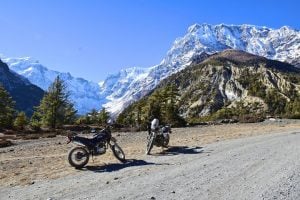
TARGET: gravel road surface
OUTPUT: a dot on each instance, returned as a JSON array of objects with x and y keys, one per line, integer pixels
[{"x": 258, "y": 167}]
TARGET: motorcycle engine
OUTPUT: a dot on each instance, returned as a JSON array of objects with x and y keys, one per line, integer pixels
[{"x": 100, "y": 149}]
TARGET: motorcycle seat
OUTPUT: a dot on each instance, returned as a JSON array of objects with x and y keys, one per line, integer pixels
[{"x": 90, "y": 142}]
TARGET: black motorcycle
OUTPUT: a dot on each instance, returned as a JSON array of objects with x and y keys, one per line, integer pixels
[
  {"x": 79, "y": 156},
  {"x": 159, "y": 137}
]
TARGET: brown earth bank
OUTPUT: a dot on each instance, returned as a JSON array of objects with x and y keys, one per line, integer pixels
[{"x": 28, "y": 161}]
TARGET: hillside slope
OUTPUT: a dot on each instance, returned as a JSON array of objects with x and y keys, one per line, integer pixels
[
  {"x": 121, "y": 89},
  {"x": 25, "y": 94},
  {"x": 281, "y": 44},
  {"x": 231, "y": 83}
]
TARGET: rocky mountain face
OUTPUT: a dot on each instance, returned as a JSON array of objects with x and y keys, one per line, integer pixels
[
  {"x": 281, "y": 44},
  {"x": 119, "y": 90},
  {"x": 231, "y": 78},
  {"x": 25, "y": 94},
  {"x": 200, "y": 41},
  {"x": 85, "y": 94}
]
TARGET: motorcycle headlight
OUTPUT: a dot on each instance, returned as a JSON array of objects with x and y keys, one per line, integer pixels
[{"x": 165, "y": 129}]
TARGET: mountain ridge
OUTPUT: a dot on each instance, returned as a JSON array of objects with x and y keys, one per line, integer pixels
[
  {"x": 236, "y": 85},
  {"x": 25, "y": 94},
  {"x": 84, "y": 94},
  {"x": 121, "y": 89},
  {"x": 210, "y": 39}
]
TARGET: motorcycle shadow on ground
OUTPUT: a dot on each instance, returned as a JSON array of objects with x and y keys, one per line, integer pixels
[
  {"x": 111, "y": 167},
  {"x": 175, "y": 150}
]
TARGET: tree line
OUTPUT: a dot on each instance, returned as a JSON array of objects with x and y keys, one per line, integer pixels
[
  {"x": 56, "y": 108},
  {"x": 161, "y": 104},
  {"x": 54, "y": 111}
]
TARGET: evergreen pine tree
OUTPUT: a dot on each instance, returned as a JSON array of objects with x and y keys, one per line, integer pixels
[
  {"x": 70, "y": 114},
  {"x": 20, "y": 121},
  {"x": 55, "y": 108},
  {"x": 155, "y": 105},
  {"x": 35, "y": 120},
  {"x": 7, "y": 111},
  {"x": 94, "y": 116},
  {"x": 171, "y": 108},
  {"x": 103, "y": 116},
  {"x": 139, "y": 115}
]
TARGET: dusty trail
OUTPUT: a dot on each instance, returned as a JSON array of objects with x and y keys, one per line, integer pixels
[{"x": 266, "y": 166}]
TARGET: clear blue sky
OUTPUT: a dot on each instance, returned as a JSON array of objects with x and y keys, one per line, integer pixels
[{"x": 92, "y": 38}]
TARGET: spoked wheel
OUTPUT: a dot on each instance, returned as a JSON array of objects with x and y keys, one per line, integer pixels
[
  {"x": 118, "y": 153},
  {"x": 149, "y": 144},
  {"x": 78, "y": 157},
  {"x": 166, "y": 140}
]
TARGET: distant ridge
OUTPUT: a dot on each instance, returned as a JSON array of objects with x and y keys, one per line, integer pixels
[
  {"x": 25, "y": 94},
  {"x": 119, "y": 90}
]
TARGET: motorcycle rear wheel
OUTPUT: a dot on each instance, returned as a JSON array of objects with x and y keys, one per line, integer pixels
[
  {"x": 118, "y": 153},
  {"x": 78, "y": 157}
]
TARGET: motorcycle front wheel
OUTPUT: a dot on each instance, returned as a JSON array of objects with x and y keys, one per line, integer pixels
[
  {"x": 118, "y": 153},
  {"x": 166, "y": 141},
  {"x": 149, "y": 144},
  {"x": 78, "y": 157}
]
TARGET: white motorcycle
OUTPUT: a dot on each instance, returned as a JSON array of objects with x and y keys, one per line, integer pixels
[{"x": 158, "y": 136}]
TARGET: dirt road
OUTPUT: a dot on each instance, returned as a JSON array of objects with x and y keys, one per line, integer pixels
[{"x": 266, "y": 166}]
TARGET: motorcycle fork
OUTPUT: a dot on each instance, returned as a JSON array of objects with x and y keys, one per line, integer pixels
[{"x": 92, "y": 153}]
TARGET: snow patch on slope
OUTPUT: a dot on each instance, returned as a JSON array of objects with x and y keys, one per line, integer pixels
[
  {"x": 121, "y": 89},
  {"x": 85, "y": 94}
]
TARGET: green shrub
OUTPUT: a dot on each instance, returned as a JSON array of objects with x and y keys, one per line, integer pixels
[{"x": 20, "y": 121}]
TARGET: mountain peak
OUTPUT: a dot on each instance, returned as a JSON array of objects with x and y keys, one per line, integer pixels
[
  {"x": 195, "y": 27},
  {"x": 252, "y": 41},
  {"x": 288, "y": 28},
  {"x": 128, "y": 85},
  {"x": 23, "y": 59},
  {"x": 84, "y": 94},
  {"x": 206, "y": 27},
  {"x": 236, "y": 56}
]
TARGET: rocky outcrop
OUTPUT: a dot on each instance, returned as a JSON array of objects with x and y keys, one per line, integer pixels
[{"x": 229, "y": 77}]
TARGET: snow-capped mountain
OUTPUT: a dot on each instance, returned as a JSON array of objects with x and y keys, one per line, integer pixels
[
  {"x": 85, "y": 94},
  {"x": 279, "y": 44},
  {"x": 120, "y": 89},
  {"x": 125, "y": 87},
  {"x": 227, "y": 84}
]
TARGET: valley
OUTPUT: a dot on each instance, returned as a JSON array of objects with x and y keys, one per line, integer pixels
[{"x": 203, "y": 97}]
